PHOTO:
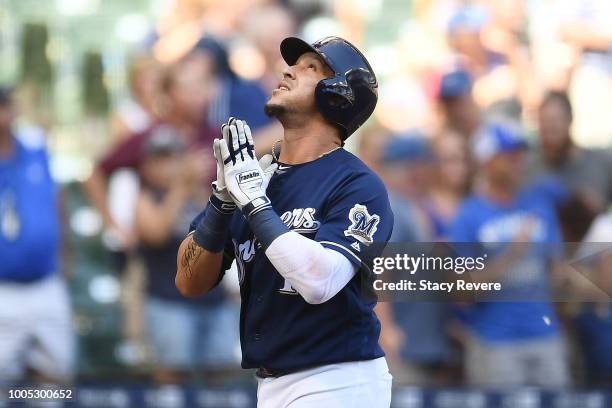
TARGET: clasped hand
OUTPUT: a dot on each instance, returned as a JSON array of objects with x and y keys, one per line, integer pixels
[{"x": 241, "y": 179}]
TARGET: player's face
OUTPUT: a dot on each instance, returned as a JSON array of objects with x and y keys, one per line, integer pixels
[{"x": 295, "y": 92}]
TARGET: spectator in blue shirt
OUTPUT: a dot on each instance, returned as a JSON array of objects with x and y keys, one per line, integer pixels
[
  {"x": 35, "y": 319},
  {"x": 511, "y": 343}
]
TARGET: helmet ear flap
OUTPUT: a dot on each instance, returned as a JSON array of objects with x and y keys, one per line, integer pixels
[
  {"x": 334, "y": 98},
  {"x": 333, "y": 93}
]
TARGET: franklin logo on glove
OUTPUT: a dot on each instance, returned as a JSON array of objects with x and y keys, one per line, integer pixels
[{"x": 242, "y": 177}]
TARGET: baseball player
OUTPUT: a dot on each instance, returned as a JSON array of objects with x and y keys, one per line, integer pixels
[{"x": 297, "y": 227}]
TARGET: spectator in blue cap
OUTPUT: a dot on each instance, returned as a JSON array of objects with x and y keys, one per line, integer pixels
[
  {"x": 413, "y": 334},
  {"x": 515, "y": 342},
  {"x": 496, "y": 67},
  {"x": 469, "y": 18},
  {"x": 461, "y": 113},
  {"x": 454, "y": 84},
  {"x": 465, "y": 38},
  {"x": 406, "y": 166},
  {"x": 409, "y": 147},
  {"x": 500, "y": 141},
  {"x": 464, "y": 35}
]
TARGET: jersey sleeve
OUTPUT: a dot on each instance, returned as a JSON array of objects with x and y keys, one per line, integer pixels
[
  {"x": 228, "y": 250},
  {"x": 358, "y": 220}
]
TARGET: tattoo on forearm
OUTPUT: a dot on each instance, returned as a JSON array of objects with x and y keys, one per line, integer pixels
[{"x": 191, "y": 255}]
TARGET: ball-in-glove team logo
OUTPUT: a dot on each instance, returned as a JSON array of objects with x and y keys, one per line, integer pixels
[{"x": 363, "y": 225}]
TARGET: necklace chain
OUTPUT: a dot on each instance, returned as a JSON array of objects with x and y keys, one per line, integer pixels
[
  {"x": 331, "y": 151},
  {"x": 276, "y": 146},
  {"x": 274, "y": 155}
]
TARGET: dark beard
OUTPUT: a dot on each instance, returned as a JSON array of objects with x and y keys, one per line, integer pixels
[{"x": 274, "y": 111}]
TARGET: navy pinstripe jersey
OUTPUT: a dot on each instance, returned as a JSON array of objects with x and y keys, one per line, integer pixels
[{"x": 335, "y": 200}]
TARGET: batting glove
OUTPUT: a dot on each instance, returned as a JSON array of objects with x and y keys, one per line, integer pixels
[
  {"x": 245, "y": 178},
  {"x": 219, "y": 189},
  {"x": 268, "y": 168}
]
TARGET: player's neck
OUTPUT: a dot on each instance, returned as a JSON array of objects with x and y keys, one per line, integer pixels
[{"x": 305, "y": 144}]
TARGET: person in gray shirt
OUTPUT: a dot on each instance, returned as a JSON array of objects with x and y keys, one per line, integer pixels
[{"x": 585, "y": 174}]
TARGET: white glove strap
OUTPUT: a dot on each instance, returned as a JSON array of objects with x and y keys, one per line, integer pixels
[{"x": 255, "y": 206}]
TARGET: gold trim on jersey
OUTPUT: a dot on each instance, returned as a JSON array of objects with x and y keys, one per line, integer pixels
[{"x": 341, "y": 246}]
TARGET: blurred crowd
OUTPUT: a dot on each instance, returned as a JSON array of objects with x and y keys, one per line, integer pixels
[{"x": 494, "y": 125}]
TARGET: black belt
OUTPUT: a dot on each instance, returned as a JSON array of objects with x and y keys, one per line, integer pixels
[{"x": 263, "y": 372}]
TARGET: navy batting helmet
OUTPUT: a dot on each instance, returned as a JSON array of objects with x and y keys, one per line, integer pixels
[{"x": 348, "y": 98}]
